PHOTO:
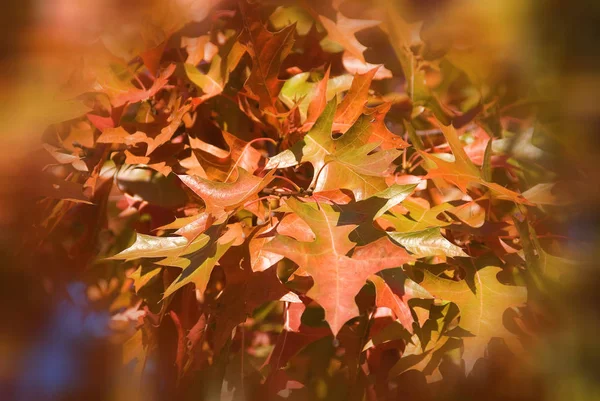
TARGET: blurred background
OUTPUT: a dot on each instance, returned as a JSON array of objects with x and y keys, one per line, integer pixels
[{"x": 54, "y": 345}]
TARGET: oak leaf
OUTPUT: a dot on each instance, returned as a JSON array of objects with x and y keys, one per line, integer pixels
[
  {"x": 268, "y": 50},
  {"x": 127, "y": 93},
  {"x": 462, "y": 172},
  {"x": 393, "y": 290},
  {"x": 350, "y": 161},
  {"x": 353, "y": 103},
  {"x": 337, "y": 277},
  {"x": 426, "y": 243},
  {"x": 481, "y": 305},
  {"x": 222, "y": 64},
  {"x": 343, "y": 31},
  {"x": 196, "y": 258},
  {"x": 121, "y": 135},
  {"x": 220, "y": 198}
]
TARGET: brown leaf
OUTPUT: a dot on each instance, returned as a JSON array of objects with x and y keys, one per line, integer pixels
[
  {"x": 353, "y": 103},
  {"x": 268, "y": 50}
]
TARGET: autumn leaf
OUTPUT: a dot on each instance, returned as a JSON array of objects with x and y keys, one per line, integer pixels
[
  {"x": 222, "y": 64},
  {"x": 336, "y": 286},
  {"x": 344, "y": 162},
  {"x": 426, "y": 243},
  {"x": 419, "y": 218},
  {"x": 481, "y": 305},
  {"x": 152, "y": 56},
  {"x": 547, "y": 194},
  {"x": 470, "y": 213},
  {"x": 543, "y": 267},
  {"x": 141, "y": 277},
  {"x": 147, "y": 246},
  {"x": 353, "y": 103},
  {"x": 319, "y": 101},
  {"x": 212, "y": 162},
  {"x": 462, "y": 172},
  {"x": 196, "y": 259},
  {"x": 167, "y": 132},
  {"x": 121, "y": 135},
  {"x": 343, "y": 31},
  {"x": 261, "y": 259},
  {"x": 220, "y": 196},
  {"x": 130, "y": 94},
  {"x": 66, "y": 158},
  {"x": 289, "y": 343},
  {"x": 268, "y": 50},
  {"x": 394, "y": 289},
  {"x": 355, "y": 66},
  {"x": 198, "y": 49},
  {"x": 381, "y": 135},
  {"x": 311, "y": 98},
  {"x": 245, "y": 291}
]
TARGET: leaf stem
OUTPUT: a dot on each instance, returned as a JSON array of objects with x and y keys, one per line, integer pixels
[{"x": 288, "y": 181}]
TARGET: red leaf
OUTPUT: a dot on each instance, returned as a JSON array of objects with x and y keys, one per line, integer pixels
[{"x": 336, "y": 285}]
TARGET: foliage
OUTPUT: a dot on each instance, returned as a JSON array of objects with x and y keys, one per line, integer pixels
[{"x": 288, "y": 220}]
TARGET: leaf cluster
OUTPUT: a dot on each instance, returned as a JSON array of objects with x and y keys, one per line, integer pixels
[{"x": 297, "y": 221}]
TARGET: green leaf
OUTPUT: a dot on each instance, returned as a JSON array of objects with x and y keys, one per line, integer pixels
[
  {"x": 298, "y": 91},
  {"x": 196, "y": 259},
  {"x": 426, "y": 243},
  {"x": 148, "y": 246},
  {"x": 420, "y": 217},
  {"x": 349, "y": 161},
  {"x": 285, "y": 16},
  {"x": 481, "y": 307},
  {"x": 197, "y": 264}
]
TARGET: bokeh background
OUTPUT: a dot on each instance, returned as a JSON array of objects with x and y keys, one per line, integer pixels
[{"x": 55, "y": 346}]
